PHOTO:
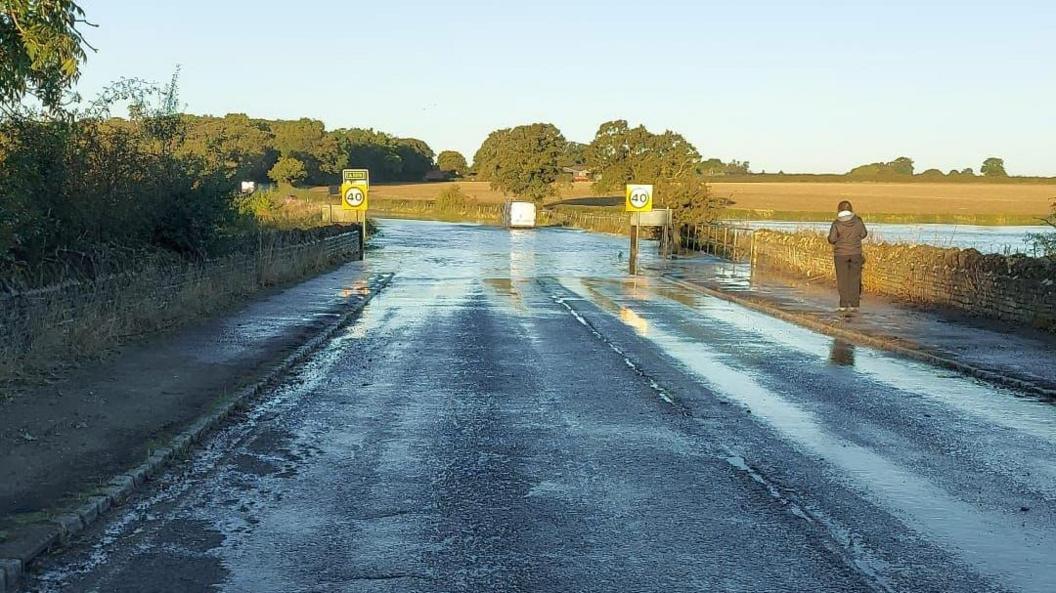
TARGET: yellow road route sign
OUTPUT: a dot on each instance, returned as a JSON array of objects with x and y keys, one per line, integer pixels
[
  {"x": 355, "y": 189},
  {"x": 639, "y": 198}
]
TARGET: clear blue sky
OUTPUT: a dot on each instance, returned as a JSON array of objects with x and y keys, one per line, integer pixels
[{"x": 812, "y": 86}]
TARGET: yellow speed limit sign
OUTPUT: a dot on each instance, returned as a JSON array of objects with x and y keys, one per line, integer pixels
[
  {"x": 639, "y": 198},
  {"x": 355, "y": 189}
]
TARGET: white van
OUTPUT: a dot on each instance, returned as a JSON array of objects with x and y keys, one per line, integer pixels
[{"x": 518, "y": 215}]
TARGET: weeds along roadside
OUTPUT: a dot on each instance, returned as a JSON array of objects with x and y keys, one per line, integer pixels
[{"x": 110, "y": 228}]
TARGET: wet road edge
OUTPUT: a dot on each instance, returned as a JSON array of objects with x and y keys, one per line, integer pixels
[
  {"x": 889, "y": 343},
  {"x": 44, "y": 537}
]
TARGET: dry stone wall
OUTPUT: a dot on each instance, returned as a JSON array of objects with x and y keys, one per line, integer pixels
[{"x": 1014, "y": 288}]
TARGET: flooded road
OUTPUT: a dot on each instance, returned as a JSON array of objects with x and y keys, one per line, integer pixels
[{"x": 515, "y": 414}]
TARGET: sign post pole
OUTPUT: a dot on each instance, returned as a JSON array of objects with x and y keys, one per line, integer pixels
[
  {"x": 634, "y": 245},
  {"x": 639, "y": 199},
  {"x": 355, "y": 191}
]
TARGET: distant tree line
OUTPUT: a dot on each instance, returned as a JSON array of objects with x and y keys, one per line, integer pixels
[
  {"x": 301, "y": 151},
  {"x": 905, "y": 167}
]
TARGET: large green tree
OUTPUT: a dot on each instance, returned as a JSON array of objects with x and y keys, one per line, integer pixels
[
  {"x": 452, "y": 162},
  {"x": 234, "y": 146},
  {"x": 387, "y": 157},
  {"x": 620, "y": 154},
  {"x": 994, "y": 167},
  {"x": 416, "y": 158},
  {"x": 369, "y": 149},
  {"x": 524, "y": 161},
  {"x": 575, "y": 155},
  {"x": 41, "y": 49},
  {"x": 902, "y": 166},
  {"x": 307, "y": 141},
  {"x": 288, "y": 170}
]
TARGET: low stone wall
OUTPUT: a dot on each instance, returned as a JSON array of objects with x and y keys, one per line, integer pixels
[
  {"x": 41, "y": 326},
  {"x": 1014, "y": 288}
]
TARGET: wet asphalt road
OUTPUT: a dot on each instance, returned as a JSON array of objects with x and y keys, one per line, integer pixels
[{"x": 514, "y": 414}]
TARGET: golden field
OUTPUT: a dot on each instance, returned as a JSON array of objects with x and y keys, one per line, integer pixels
[
  {"x": 983, "y": 203},
  {"x": 985, "y": 199}
]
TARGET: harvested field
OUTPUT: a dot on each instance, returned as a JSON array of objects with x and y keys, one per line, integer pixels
[
  {"x": 948, "y": 199},
  {"x": 961, "y": 203}
]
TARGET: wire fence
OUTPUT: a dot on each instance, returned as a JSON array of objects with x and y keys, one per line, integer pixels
[{"x": 43, "y": 326}]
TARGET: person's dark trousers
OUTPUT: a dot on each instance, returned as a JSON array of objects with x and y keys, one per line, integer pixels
[{"x": 849, "y": 279}]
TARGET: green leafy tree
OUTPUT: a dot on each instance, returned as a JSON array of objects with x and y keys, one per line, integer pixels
[
  {"x": 902, "y": 166},
  {"x": 620, "y": 154},
  {"x": 993, "y": 167},
  {"x": 288, "y": 171},
  {"x": 453, "y": 199},
  {"x": 234, "y": 146},
  {"x": 574, "y": 155},
  {"x": 713, "y": 167},
  {"x": 523, "y": 161},
  {"x": 369, "y": 149},
  {"x": 452, "y": 162},
  {"x": 416, "y": 158},
  {"x": 1045, "y": 243},
  {"x": 41, "y": 49},
  {"x": 307, "y": 141}
]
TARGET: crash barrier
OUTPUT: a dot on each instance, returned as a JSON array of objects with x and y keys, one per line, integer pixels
[
  {"x": 1014, "y": 287},
  {"x": 84, "y": 317},
  {"x": 726, "y": 241}
]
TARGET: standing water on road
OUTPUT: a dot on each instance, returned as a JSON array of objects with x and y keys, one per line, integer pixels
[{"x": 514, "y": 412}]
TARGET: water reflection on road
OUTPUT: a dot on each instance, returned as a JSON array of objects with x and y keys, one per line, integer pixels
[
  {"x": 515, "y": 411},
  {"x": 902, "y": 434}
]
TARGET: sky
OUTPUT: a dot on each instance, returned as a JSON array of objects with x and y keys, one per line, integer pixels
[{"x": 810, "y": 86}]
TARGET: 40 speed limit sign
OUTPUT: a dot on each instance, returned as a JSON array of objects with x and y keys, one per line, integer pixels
[
  {"x": 355, "y": 189},
  {"x": 639, "y": 198}
]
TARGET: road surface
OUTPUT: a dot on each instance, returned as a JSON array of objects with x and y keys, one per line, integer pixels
[{"x": 514, "y": 414}]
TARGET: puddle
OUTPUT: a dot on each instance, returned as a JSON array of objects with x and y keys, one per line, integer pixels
[{"x": 999, "y": 543}]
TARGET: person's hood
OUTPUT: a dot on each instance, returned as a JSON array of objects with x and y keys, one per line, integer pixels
[{"x": 845, "y": 216}]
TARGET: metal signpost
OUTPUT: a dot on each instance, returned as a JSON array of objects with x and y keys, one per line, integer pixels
[
  {"x": 355, "y": 194},
  {"x": 639, "y": 199}
]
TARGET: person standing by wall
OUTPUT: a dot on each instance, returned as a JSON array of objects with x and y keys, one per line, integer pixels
[{"x": 846, "y": 236}]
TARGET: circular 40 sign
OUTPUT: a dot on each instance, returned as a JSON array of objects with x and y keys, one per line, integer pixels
[
  {"x": 639, "y": 198},
  {"x": 354, "y": 196}
]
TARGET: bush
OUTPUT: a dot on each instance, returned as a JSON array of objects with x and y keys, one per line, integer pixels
[
  {"x": 1045, "y": 243},
  {"x": 453, "y": 199},
  {"x": 81, "y": 189},
  {"x": 288, "y": 171}
]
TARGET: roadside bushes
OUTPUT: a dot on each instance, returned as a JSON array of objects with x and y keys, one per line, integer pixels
[
  {"x": 80, "y": 191},
  {"x": 1045, "y": 243},
  {"x": 453, "y": 200}
]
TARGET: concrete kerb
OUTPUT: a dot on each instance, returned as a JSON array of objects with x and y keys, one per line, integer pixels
[
  {"x": 889, "y": 343},
  {"x": 58, "y": 531}
]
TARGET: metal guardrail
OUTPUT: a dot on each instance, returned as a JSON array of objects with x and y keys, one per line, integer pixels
[{"x": 736, "y": 243}]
